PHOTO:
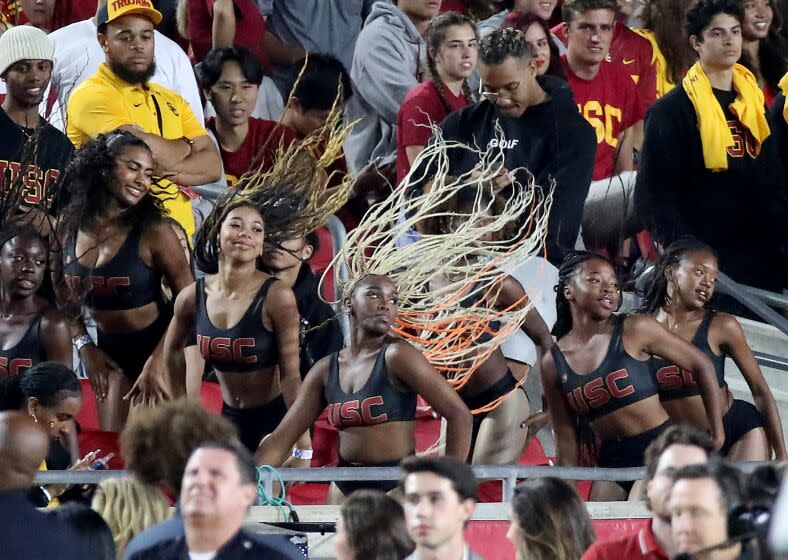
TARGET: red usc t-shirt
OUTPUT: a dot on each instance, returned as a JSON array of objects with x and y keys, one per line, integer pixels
[
  {"x": 260, "y": 145},
  {"x": 421, "y": 107},
  {"x": 453, "y": 6},
  {"x": 634, "y": 53},
  {"x": 611, "y": 105},
  {"x": 249, "y": 29}
]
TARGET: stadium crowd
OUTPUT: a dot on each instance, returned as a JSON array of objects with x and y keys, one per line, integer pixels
[{"x": 504, "y": 169}]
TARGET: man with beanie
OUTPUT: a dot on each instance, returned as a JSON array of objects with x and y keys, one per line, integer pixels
[
  {"x": 28, "y": 144},
  {"x": 121, "y": 95}
]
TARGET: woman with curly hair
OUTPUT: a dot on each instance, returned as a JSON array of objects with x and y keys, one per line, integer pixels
[
  {"x": 117, "y": 249},
  {"x": 672, "y": 54},
  {"x": 599, "y": 376},
  {"x": 549, "y": 521},
  {"x": 764, "y": 51},
  {"x": 371, "y": 524},
  {"x": 683, "y": 284}
]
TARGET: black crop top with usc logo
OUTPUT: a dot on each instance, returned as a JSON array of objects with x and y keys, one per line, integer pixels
[
  {"x": 124, "y": 282},
  {"x": 619, "y": 381},
  {"x": 248, "y": 346},
  {"x": 677, "y": 383},
  {"x": 376, "y": 402},
  {"x": 24, "y": 354}
]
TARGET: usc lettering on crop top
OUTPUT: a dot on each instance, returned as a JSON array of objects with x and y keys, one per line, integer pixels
[
  {"x": 125, "y": 282},
  {"x": 248, "y": 346},
  {"x": 619, "y": 381},
  {"x": 677, "y": 383},
  {"x": 378, "y": 401},
  {"x": 24, "y": 354}
]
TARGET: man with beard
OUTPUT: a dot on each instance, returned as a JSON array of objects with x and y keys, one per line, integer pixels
[
  {"x": 120, "y": 95},
  {"x": 676, "y": 447},
  {"x": 26, "y": 138}
]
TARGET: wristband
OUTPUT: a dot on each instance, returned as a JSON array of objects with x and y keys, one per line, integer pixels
[
  {"x": 189, "y": 142},
  {"x": 82, "y": 341},
  {"x": 305, "y": 454}
]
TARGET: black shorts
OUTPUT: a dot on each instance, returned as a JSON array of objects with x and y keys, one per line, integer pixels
[
  {"x": 347, "y": 487},
  {"x": 132, "y": 349},
  {"x": 740, "y": 419},
  {"x": 501, "y": 387},
  {"x": 256, "y": 422},
  {"x": 625, "y": 452}
]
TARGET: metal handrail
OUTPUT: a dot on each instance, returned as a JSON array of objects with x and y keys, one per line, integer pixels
[
  {"x": 771, "y": 361},
  {"x": 751, "y": 298},
  {"x": 508, "y": 474}
]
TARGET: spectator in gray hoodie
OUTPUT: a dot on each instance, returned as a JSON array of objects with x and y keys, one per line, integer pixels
[
  {"x": 389, "y": 60},
  {"x": 317, "y": 26}
]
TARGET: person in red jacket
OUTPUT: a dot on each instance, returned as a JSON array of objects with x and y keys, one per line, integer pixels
[
  {"x": 676, "y": 447},
  {"x": 452, "y": 49}
]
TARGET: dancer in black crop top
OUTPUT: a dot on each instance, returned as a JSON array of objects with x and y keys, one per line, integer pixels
[
  {"x": 683, "y": 284},
  {"x": 245, "y": 323},
  {"x": 370, "y": 390},
  {"x": 117, "y": 250},
  {"x": 598, "y": 374},
  {"x": 494, "y": 393},
  {"x": 31, "y": 329}
]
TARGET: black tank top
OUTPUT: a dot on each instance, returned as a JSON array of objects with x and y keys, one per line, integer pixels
[
  {"x": 619, "y": 381},
  {"x": 677, "y": 383},
  {"x": 248, "y": 346},
  {"x": 125, "y": 282},
  {"x": 472, "y": 299},
  {"x": 26, "y": 353},
  {"x": 376, "y": 402}
]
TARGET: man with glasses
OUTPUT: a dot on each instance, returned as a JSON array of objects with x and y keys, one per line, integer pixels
[{"x": 534, "y": 122}]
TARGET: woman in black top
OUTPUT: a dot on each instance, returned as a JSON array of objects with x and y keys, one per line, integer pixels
[
  {"x": 245, "y": 321},
  {"x": 371, "y": 390},
  {"x": 31, "y": 329},
  {"x": 598, "y": 372},
  {"x": 117, "y": 248},
  {"x": 683, "y": 284},
  {"x": 494, "y": 393}
]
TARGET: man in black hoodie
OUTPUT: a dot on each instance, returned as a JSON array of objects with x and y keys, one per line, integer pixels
[
  {"x": 737, "y": 202},
  {"x": 321, "y": 334},
  {"x": 540, "y": 130}
]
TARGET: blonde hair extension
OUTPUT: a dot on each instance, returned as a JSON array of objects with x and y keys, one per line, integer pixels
[
  {"x": 455, "y": 338},
  {"x": 129, "y": 507}
]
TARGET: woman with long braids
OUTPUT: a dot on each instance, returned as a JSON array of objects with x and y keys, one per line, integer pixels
[
  {"x": 117, "y": 249},
  {"x": 672, "y": 53},
  {"x": 683, "y": 284},
  {"x": 494, "y": 393},
  {"x": 599, "y": 373},
  {"x": 245, "y": 321},
  {"x": 452, "y": 47},
  {"x": 32, "y": 330},
  {"x": 764, "y": 50}
]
